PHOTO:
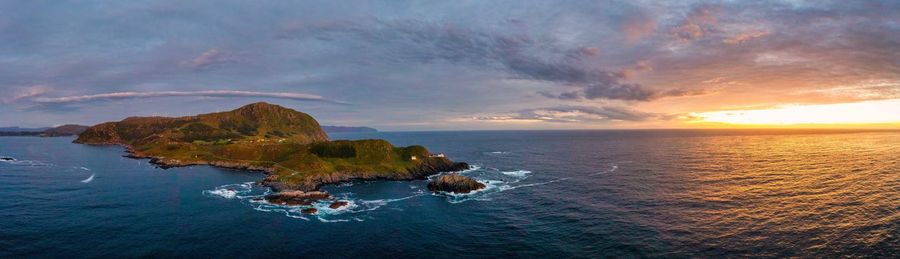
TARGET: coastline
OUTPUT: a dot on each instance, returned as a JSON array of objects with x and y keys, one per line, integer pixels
[{"x": 429, "y": 166}]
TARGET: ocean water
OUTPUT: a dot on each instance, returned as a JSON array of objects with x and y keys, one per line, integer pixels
[{"x": 676, "y": 193}]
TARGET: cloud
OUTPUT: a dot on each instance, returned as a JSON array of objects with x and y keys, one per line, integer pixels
[
  {"x": 26, "y": 93},
  {"x": 210, "y": 58},
  {"x": 387, "y": 58},
  {"x": 698, "y": 22},
  {"x": 745, "y": 36},
  {"x": 870, "y": 90},
  {"x": 637, "y": 26},
  {"x": 159, "y": 94},
  {"x": 575, "y": 114},
  {"x": 519, "y": 55}
]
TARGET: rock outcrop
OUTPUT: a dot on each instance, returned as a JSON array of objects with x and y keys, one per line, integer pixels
[
  {"x": 337, "y": 204},
  {"x": 294, "y": 198},
  {"x": 454, "y": 183}
]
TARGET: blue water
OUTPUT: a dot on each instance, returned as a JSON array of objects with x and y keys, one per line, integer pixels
[{"x": 551, "y": 193}]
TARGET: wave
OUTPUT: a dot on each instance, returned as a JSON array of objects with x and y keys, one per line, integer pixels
[
  {"x": 610, "y": 170},
  {"x": 89, "y": 179},
  {"x": 517, "y": 173},
  {"x": 84, "y": 168},
  {"x": 231, "y": 191},
  {"x": 13, "y": 161},
  {"x": 507, "y": 187},
  {"x": 254, "y": 196},
  {"x": 495, "y": 181}
]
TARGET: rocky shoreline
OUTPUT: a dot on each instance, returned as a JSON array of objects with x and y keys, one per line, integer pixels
[
  {"x": 429, "y": 167},
  {"x": 287, "y": 145}
]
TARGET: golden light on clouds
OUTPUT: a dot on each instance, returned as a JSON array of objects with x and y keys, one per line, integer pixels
[{"x": 868, "y": 112}]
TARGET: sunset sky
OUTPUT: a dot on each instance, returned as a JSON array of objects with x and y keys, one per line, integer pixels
[{"x": 430, "y": 65}]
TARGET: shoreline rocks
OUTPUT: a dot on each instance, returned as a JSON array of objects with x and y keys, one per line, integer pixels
[
  {"x": 429, "y": 166},
  {"x": 337, "y": 204},
  {"x": 294, "y": 198},
  {"x": 454, "y": 183}
]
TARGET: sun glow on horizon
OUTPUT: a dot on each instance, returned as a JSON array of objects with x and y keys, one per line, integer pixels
[{"x": 868, "y": 112}]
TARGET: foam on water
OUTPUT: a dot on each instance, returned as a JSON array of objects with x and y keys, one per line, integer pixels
[
  {"x": 254, "y": 196},
  {"x": 495, "y": 181},
  {"x": 13, "y": 161},
  {"x": 613, "y": 168},
  {"x": 518, "y": 173},
  {"x": 89, "y": 179},
  {"x": 231, "y": 191},
  {"x": 510, "y": 187}
]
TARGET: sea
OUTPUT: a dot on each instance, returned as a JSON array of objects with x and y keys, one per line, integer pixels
[{"x": 559, "y": 194}]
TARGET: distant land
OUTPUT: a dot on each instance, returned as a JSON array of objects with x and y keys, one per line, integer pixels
[
  {"x": 347, "y": 129},
  {"x": 61, "y": 131},
  {"x": 19, "y": 129},
  {"x": 288, "y": 145}
]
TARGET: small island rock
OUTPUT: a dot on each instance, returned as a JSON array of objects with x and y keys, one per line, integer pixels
[
  {"x": 294, "y": 198},
  {"x": 337, "y": 204},
  {"x": 454, "y": 183}
]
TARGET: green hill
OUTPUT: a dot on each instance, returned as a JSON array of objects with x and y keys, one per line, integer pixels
[
  {"x": 257, "y": 122},
  {"x": 288, "y": 144}
]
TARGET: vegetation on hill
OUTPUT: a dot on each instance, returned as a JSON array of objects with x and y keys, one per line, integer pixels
[{"x": 288, "y": 144}]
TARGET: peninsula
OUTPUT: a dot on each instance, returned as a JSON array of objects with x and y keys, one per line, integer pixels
[{"x": 288, "y": 145}]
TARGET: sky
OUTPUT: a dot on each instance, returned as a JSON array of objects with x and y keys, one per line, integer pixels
[{"x": 448, "y": 65}]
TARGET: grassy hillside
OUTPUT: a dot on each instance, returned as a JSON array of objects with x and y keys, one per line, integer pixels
[{"x": 257, "y": 122}]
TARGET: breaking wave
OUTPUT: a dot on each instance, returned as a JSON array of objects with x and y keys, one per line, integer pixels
[
  {"x": 13, "y": 161},
  {"x": 357, "y": 209},
  {"x": 231, "y": 191},
  {"x": 497, "y": 181},
  {"x": 89, "y": 179},
  {"x": 353, "y": 211}
]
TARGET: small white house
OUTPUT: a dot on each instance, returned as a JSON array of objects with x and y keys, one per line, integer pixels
[
  {"x": 437, "y": 155},
  {"x": 413, "y": 158}
]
